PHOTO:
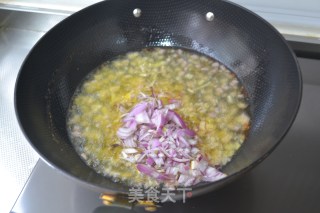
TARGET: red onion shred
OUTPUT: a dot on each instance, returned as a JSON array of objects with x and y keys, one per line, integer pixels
[{"x": 157, "y": 140}]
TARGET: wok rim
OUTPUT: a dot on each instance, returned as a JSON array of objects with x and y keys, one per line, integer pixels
[{"x": 197, "y": 190}]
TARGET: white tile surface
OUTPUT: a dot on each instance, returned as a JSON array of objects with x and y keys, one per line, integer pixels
[
  {"x": 300, "y": 18},
  {"x": 65, "y": 5}
]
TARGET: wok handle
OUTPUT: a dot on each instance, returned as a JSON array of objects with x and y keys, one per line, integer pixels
[{"x": 122, "y": 201}]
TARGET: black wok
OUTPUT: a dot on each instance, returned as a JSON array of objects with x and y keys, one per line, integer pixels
[{"x": 245, "y": 43}]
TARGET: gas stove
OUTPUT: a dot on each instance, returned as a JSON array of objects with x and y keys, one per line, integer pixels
[{"x": 287, "y": 181}]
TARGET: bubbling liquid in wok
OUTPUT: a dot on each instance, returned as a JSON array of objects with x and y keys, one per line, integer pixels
[{"x": 208, "y": 97}]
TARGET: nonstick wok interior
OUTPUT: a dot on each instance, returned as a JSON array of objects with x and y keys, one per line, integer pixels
[{"x": 246, "y": 44}]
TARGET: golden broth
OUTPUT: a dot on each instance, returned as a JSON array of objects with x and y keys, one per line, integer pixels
[{"x": 212, "y": 104}]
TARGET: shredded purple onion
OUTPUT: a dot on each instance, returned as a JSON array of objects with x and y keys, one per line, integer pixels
[{"x": 157, "y": 139}]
